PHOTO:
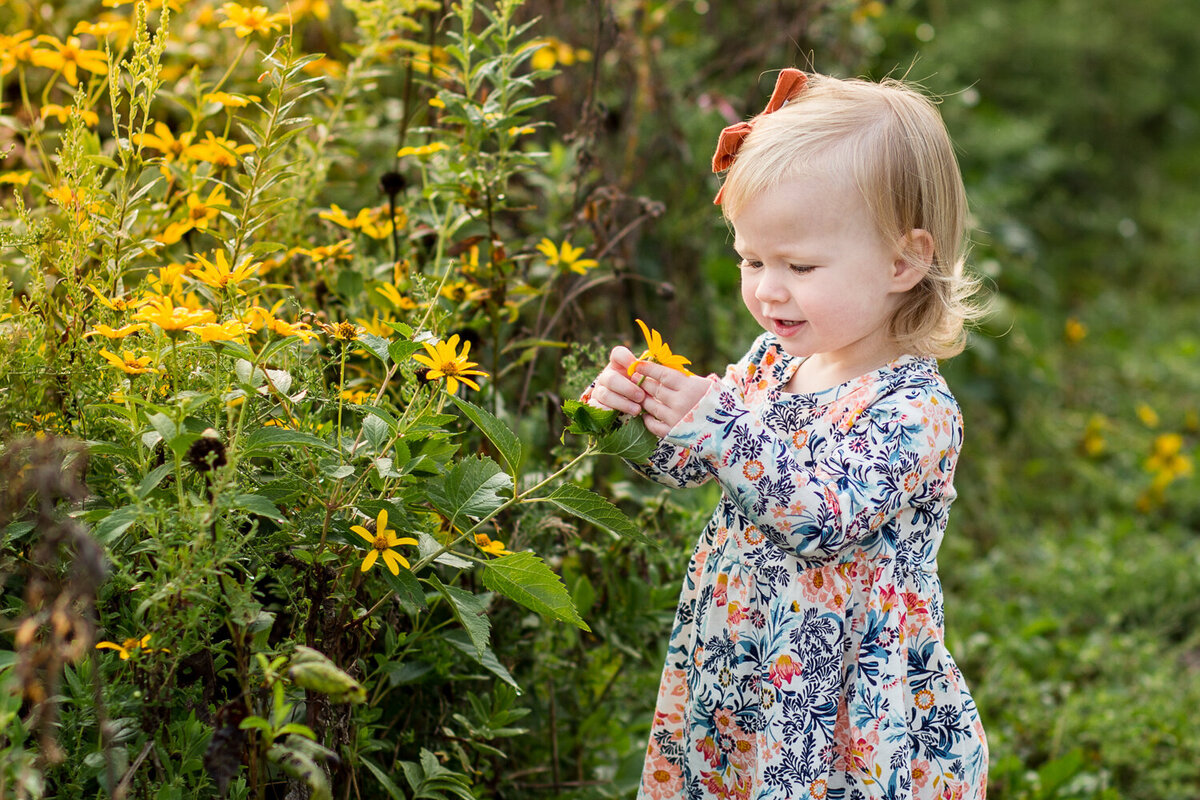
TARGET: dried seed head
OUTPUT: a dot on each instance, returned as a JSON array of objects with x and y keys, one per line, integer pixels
[{"x": 207, "y": 453}]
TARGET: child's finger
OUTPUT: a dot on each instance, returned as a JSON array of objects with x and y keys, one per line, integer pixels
[
  {"x": 670, "y": 378},
  {"x": 621, "y": 357}
]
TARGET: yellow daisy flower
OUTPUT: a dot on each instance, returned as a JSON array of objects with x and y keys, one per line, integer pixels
[
  {"x": 490, "y": 545},
  {"x": 659, "y": 352},
  {"x": 443, "y": 361},
  {"x": 566, "y": 256},
  {"x": 69, "y": 57},
  {"x": 246, "y": 20},
  {"x": 230, "y": 331},
  {"x": 382, "y": 542},
  {"x": 130, "y": 646},
  {"x": 128, "y": 363},
  {"x": 200, "y": 213},
  {"x": 219, "y": 274},
  {"x": 116, "y": 333},
  {"x": 173, "y": 319},
  {"x": 217, "y": 150}
]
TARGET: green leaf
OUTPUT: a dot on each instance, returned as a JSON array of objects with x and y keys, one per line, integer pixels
[
  {"x": 588, "y": 420},
  {"x": 470, "y": 610},
  {"x": 497, "y": 432},
  {"x": 256, "y": 504},
  {"x": 403, "y": 328},
  {"x": 116, "y": 523},
  {"x": 408, "y": 590},
  {"x": 164, "y": 425},
  {"x": 377, "y": 345},
  {"x": 386, "y": 782},
  {"x": 525, "y": 578},
  {"x": 152, "y": 479},
  {"x": 631, "y": 441},
  {"x": 375, "y": 430},
  {"x": 350, "y": 284},
  {"x": 488, "y": 659},
  {"x": 401, "y": 351},
  {"x": 470, "y": 489},
  {"x": 591, "y": 507},
  {"x": 272, "y": 440}
]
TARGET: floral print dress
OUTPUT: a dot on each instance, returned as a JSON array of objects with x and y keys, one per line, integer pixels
[{"x": 807, "y": 658}]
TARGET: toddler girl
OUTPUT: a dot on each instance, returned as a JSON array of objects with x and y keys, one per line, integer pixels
[{"x": 808, "y": 658}]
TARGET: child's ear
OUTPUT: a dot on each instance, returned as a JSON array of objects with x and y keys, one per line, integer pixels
[{"x": 914, "y": 257}]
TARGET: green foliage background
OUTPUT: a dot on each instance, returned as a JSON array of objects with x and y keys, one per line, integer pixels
[{"x": 1072, "y": 567}]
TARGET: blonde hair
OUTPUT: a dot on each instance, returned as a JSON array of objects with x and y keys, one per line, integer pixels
[{"x": 890, "y": 140}]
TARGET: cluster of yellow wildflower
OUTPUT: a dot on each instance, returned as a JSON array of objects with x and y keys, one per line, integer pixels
[
  {"x": 1166, "y": 464},
  {"x": 552, "y": 51},
  {"x": 373, "y": 222}
]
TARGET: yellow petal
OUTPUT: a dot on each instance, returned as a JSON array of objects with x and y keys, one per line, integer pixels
[
  {"x": 370, "y": 559},
  {"x": 364, "y": 533}
]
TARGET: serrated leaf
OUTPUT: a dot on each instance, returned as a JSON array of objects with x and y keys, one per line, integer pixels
[
  {"x": 631, "y": 441},
  {"x": 588, "y": 420},
  {"x": 506, "y": 442},
  {"x": 337, "y": 471},
  {"x": 470, "y": 489},
  {"x": 401, "y": 351},
  {"x": 470, "y": 611},
  {"x": 525, "y": 578},
  {"x": 591, "y": 507},
  {"x": 377, "y": 345}
]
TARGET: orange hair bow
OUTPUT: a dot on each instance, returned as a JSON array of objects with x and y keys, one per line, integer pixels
[{"x": 790, "y": 83}]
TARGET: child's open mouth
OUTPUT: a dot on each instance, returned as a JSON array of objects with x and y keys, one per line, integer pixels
[{"x": 786, "y": 327}]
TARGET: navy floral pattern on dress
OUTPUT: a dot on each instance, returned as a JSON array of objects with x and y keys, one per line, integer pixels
[{"x": 808, "y": 657}]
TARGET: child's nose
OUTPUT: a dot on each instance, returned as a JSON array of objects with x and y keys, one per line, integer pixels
[{"x": 770, "y": 288}]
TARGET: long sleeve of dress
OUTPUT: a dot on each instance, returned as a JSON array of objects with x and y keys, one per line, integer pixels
[
  {"x": 677, "y": 466},
  {"x": 817, "y": 499}
]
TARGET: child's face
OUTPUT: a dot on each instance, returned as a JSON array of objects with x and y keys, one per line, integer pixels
[{"x": 817, "y": 275}]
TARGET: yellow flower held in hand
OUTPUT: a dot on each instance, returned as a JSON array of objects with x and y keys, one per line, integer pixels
[
  {"x": 659, "y": 352},
  {"x": 129, "y": 363},
  {"x": 566, "y": 256},
  {"x": 382, "y": 541},
  {"x": 444, "y": 361}
]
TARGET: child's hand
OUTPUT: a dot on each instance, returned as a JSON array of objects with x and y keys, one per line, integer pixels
[
  {"x": 670, "y": 395},
  {"x": 614, "y": 389}
]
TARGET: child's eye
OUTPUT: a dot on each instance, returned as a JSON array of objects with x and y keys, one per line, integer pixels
[
  {"x": 746, "y": 263},
  {"x": 801, "y": 269}
]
